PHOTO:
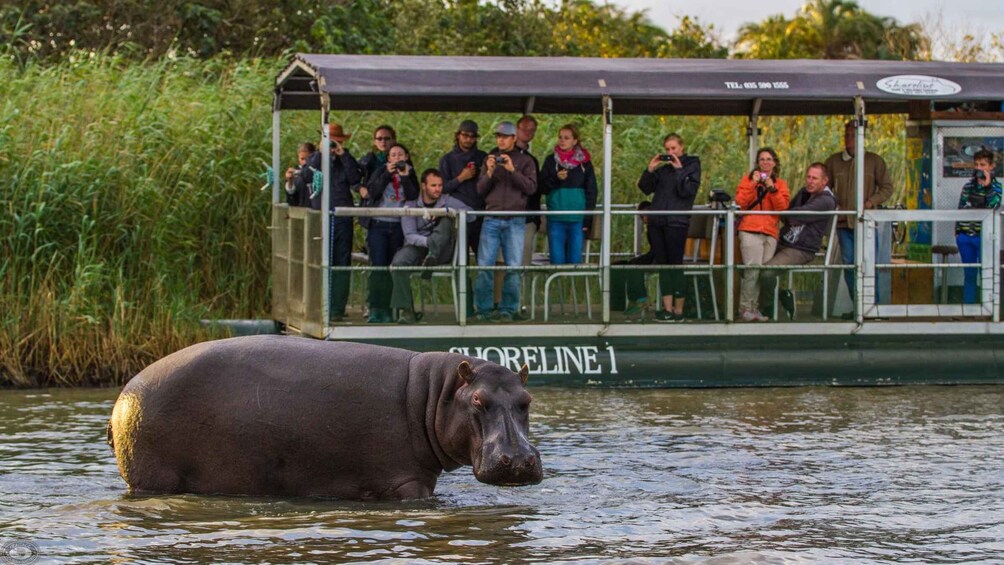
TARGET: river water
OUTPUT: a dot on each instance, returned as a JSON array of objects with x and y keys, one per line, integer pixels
[{"x": 801, "y": 475}]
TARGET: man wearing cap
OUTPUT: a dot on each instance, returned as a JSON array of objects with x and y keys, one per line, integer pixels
[
  {"x": 345, "y": 173},
  {"x": 508, "y": 178},
  {"x": 460, "y": 168}
]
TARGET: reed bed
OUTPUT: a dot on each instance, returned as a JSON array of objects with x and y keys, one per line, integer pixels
[{"x": 131, "y": 206}]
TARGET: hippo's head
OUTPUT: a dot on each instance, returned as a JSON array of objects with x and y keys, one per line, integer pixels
[{"x": 497, "y": 409}]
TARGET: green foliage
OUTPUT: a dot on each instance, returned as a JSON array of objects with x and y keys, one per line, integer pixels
[
  {"x": 831, "y": 29},
  {"x": 31, "y": 29}
]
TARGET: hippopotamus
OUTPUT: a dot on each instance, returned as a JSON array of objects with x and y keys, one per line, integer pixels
[{"x": 289, "y": 416}]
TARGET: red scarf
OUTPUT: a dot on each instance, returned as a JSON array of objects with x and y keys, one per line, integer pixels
[
  {"x": 572, "y": 158},
  {"x": 395, "y": 180}
]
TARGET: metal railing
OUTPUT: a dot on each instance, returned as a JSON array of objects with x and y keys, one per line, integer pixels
[{"x": 305, "y": 254}]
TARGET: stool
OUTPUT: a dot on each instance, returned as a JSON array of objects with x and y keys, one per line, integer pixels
[{"x": 944, "y": 251}]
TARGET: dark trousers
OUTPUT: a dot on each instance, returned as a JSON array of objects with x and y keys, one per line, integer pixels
[
  {"x": 340, "y": 255},
  {"x": 668, "y": 245},
  {"x": 383, "y": 240},
  {"x": 440, "y": 248},
  {"x": 628, "y": 284}
]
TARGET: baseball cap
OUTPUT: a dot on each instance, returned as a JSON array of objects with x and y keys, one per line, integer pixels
[
  {"x": 505, "y": 128},
  {"x": 469, "y": 126}
]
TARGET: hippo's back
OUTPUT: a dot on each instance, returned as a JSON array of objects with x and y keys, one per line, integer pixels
[{"x": 260, "y": 415}]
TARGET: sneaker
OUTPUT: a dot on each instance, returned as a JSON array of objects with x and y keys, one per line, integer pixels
[
  {"x": 409, "y": 316},
  {"x": 484, "y": 317},
  {"x": 636, "y": 307},
  {"x": 504, "y": 317},
  {"x": 747, "y": 316},
  {"x": 665, "y": 317},
  {"x": 787, "y": 300}
]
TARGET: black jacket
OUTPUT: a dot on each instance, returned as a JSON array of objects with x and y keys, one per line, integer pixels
[
  {"x": 673, "y": 190},
  {"x": 345, "y": 173},
  {"x": 806, "y": 233},
  {"x": 452, "y": 164},
  {"x": 378, "y": 181}
]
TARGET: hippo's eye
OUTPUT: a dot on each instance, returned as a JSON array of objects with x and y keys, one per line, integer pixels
[{"x": 476, "y": 400}]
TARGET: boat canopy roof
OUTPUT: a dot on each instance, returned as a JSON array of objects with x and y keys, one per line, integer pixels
[{"x": 573, "y": 85}]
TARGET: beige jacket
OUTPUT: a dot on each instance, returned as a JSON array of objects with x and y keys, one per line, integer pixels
[{"x": 878, "y": 183}]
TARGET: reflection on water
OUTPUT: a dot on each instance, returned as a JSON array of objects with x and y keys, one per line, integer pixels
[{"x": 911, "y": 474}]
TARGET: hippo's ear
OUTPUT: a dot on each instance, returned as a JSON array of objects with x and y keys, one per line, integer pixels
[
  {"x": 465, "y": 372},
  {"x": 524, "y": 373}
]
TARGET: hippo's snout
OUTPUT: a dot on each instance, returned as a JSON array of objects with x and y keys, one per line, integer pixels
[{"x": 509, "y": 468}]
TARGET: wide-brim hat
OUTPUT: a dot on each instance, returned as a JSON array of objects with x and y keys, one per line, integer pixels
[{"x": 336, "y": 132}]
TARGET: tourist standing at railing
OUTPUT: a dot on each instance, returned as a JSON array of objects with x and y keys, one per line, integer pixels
[
  {"x": 509, "y": 177},
  {"x": 568, "y": 180},
  {"x": 673, "y": 179},
  {"x": 428, "y": 241},
  {"x": 877, "y": 189},
  {"x": 460, "y": 169},
  {"x": 383, "y": 138},
  {"x": 762, "y": 189},
  {"x": 297, "y": 191},
  {"x": 344, "y": 174},
  {"x": 526, "y": 130},
  {"x": 802, "y": 236},
  {"x": 983, "y": 191},
  {"x": 389, "y": 187}
]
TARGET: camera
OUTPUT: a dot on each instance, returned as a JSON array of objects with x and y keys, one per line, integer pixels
[
  {"x": 500, "y": 158},
  {"x": 666, "y": 158},
  {"x": 401, "y": 166},
  {"x": 762, "y": 177},
  {"x": 719, "y": 196},
  {"x": 980, "y": 175}
]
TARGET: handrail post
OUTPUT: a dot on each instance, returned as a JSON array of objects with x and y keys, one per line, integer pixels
[
  {"x": 996, "y": 239},
  {"x": 753, "y": 133},
  {"x": 859, "y": 175},
  {"x": 462, "y": 264},
  {"x": 730, "y": 264},
  {"x": 608, "y": 135}
]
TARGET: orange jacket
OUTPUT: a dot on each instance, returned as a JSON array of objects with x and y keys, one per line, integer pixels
[{"x": 746, "y": 196}]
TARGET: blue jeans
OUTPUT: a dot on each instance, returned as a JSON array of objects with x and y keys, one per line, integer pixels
[
  {"x": 969, "y": 249},
  {"x": 507, "y": 233},
  {"x": 564, "y": 241}
]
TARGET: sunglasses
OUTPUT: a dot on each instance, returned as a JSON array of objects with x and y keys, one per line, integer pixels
[{"x": 383, "y": 138}]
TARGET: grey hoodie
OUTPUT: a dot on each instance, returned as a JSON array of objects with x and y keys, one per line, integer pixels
[{"x": 417, "y": 229}]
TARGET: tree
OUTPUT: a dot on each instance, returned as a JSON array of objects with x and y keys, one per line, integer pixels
[{"x": 831, "y": 29}]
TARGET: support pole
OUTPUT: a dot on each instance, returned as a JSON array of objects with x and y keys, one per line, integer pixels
[
  {"x": 753, "y": 133},
  {"x": 462, "y": 265},
  {"x": 859, "y": 193},
  {"x": 276, "y": 155},
  {"x": 730, "y": 264},
  {"x": 325, "y": 212},
  {"x": 608, "y": 138}
]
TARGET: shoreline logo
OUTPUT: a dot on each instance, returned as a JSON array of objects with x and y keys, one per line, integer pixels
[
  {"x": 554, "y": 360},
  {"x": 918, "y": 85},
  {"x": 18, "y": 552}
]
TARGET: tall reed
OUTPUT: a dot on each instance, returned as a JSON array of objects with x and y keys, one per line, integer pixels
[{"x": 131, "y": 209}]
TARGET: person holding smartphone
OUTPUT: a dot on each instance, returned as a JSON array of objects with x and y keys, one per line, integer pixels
[
  {"x": 672, "y": 178},
  {"x": 389, "y": 187}
]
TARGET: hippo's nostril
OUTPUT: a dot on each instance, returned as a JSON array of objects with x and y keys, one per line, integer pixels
[
  {"x": 505, "y": 460},
  {"x": 530, "y": 461}
]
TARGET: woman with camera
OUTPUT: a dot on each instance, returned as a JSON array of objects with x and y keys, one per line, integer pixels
[
  {"x": 760, "y": 190},
  {"x": 673, "y": 179},
  {"x": 388, "y": 187},
  {"x": 568, "y": 181}
]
